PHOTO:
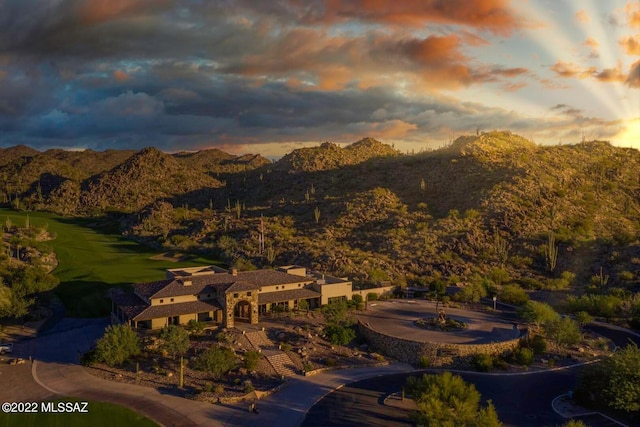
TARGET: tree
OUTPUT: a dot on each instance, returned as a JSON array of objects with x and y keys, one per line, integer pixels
[
  {"x": 216, "y": 360},
  {"x": 614, "y": 382},
  {"x": 118, "y": 344},
  {"x": 303, "y": 305},
  {"x": 471, "y": 293},
  {"x": 538, "y": 313},
  {"x": 175, "y": 340},
  {"x": 446, "y": 400},
  {"x": 513, "y": 294}
]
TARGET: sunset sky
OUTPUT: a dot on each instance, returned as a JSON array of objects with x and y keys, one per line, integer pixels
[{"x": 270, "y": 76}]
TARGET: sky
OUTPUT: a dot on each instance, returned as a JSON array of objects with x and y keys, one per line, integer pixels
[{"x": 252, "y": 76}]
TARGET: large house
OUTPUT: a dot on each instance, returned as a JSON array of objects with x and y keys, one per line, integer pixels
[{"x": 225, "y": 297}]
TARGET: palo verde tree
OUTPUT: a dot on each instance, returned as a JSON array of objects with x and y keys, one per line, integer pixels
[
  {"x": 175, "y": 340},
  {"x": 118, "y": 344},
  {"x": 613, "y": 383},
  {"x": 446, "y": 400}
]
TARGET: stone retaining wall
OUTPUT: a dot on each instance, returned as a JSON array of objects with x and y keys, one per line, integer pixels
[{"x": 411, "y": 351}]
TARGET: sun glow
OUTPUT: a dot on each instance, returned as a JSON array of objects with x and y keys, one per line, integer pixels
[{"x": 630, "y": 135}]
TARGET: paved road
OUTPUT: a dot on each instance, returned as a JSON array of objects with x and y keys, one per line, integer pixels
[{"x": 520, "y": 400}]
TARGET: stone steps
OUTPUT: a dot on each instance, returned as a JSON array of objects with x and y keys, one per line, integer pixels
[
  {"x": 259, "y": 340},
  {"x": 282, "y": 364}
]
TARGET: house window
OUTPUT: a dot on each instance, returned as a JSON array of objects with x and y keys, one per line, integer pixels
[
  {"x": 161, "y": 301},
  {"x": 235, "y": 295},
  {"x": 248, "y": 294},
  {"x": 299, "y": 285},
  {"x": 208, "y": 295},
  {"x": 277, "y": 287},
  {"x": 171, "y": 299}
]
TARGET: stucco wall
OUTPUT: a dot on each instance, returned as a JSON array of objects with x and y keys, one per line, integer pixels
[
  {"x": 379, "y": 291},
  {"x": 411, "y": 351},
  {"x": 176, "y": 299},
  {"x": 332, "y": 290}
]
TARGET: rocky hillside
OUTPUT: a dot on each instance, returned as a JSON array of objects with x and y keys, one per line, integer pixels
[
  {"x": 81, "y": 182},
  {"x": 145, "y": 177},
  {"x": 486, "y": 202},
  {"x": 331, "y": 156}
]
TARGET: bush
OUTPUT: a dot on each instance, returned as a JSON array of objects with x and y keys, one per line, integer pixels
[
  {"x": 523, "y": 356},
  {"x": 251, "y": 359},
  {"x": 175, "y": 340},
  {"x": 357, "y": 298},
  {"x": 538, "y": 344},
  {"x": 482, "y": 362},
  {"x": 372, "y": 296},
  {"x": 216, "y": 360},
  {"x": 513, "y": 294},
  {"x": 248, "y": 386},
  {"x": 564, "y": 331},
  {"x": 424, "y": 362},
  {"x": 285, "y": 346},
  {"x": 339, "y": 335},
  {"x": 118, "y": 344}
]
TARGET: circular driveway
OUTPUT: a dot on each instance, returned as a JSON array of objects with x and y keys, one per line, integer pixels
[{"x": 396, "y": 318}]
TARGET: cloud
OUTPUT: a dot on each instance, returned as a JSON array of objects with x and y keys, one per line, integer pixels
[
  {"x": 582, "y": 16},
  {"x": 491, "y": 15},
  {"x": 607, "y": 75},
  {"x": 633, "y": 79},
  {"x": 632, "y": 12},
  {"x": 631, "y": 45}
]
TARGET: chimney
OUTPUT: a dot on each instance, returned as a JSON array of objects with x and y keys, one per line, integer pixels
[{"x": 234, "y": 271}]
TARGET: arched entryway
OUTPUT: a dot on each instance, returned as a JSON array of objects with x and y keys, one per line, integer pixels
[{"x": 242, "y": 312}]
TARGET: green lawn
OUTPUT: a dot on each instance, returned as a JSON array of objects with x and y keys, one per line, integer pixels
[
  {"x": 91, "y": 260},
  {"x": 99, "y": 414}
]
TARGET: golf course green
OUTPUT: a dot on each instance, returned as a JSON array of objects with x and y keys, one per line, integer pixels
[
  {"x": 99, "y": 414},
  {"x": 93, "y": 259}
]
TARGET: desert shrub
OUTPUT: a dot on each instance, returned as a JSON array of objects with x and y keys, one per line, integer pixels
[
  {"x": 208, "y": 387},
  {"x": 118, "y": 344},
  {"x": 424, "y": 361},
  {"x": 513, "y": 294},
  {"x": 285, "y": 346},
  {"x": 482, "y": 362},
  {"x": 248, "y": 386},
  {"x": 372, "y": 296},
  {"x": 339, "y": 335},
  {"x": 216, "y": 360},
  {"x": 523, "y": 356},
  {"x": 564, "y": 331},
  {"x": 251, "y": 359},
  {"x": 330, "y": 361},
  {"x": 538, "y": 344},
  {"x": 625, "y": 276},
  {"x": 357, "y": 298}
]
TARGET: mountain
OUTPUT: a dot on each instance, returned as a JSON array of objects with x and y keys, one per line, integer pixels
[
  {"x": 217, "y": 161},
  {"x": 331, "y": 156},
  {"x": 147, "y": 176}
]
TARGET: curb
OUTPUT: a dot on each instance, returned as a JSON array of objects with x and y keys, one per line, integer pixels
[{"x": 584, "y": 414}]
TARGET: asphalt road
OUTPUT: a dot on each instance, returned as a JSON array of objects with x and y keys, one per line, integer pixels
[{"x": 520, "y": 400}]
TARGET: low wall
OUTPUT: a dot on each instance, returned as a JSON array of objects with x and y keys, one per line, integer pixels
[
  {"x": 379, "y": 291},
  {"x": 411, "y": 351}
]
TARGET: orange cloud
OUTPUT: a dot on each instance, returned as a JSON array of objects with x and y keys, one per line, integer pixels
[
  {"x": 583, "y": 16},
  {"x": 631, "y": 45},
  {"x": 569, "y": 69},
  {"x": 97, "y": 11},
  {"x": 591, "y": 42},
  {"x": 121, "y": 76},
  {"x": 492, "y": 15},
  {"x": 632, "y": 11}
]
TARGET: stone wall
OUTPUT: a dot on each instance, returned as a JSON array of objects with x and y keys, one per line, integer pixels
[{"x": 411, "y": 351}]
